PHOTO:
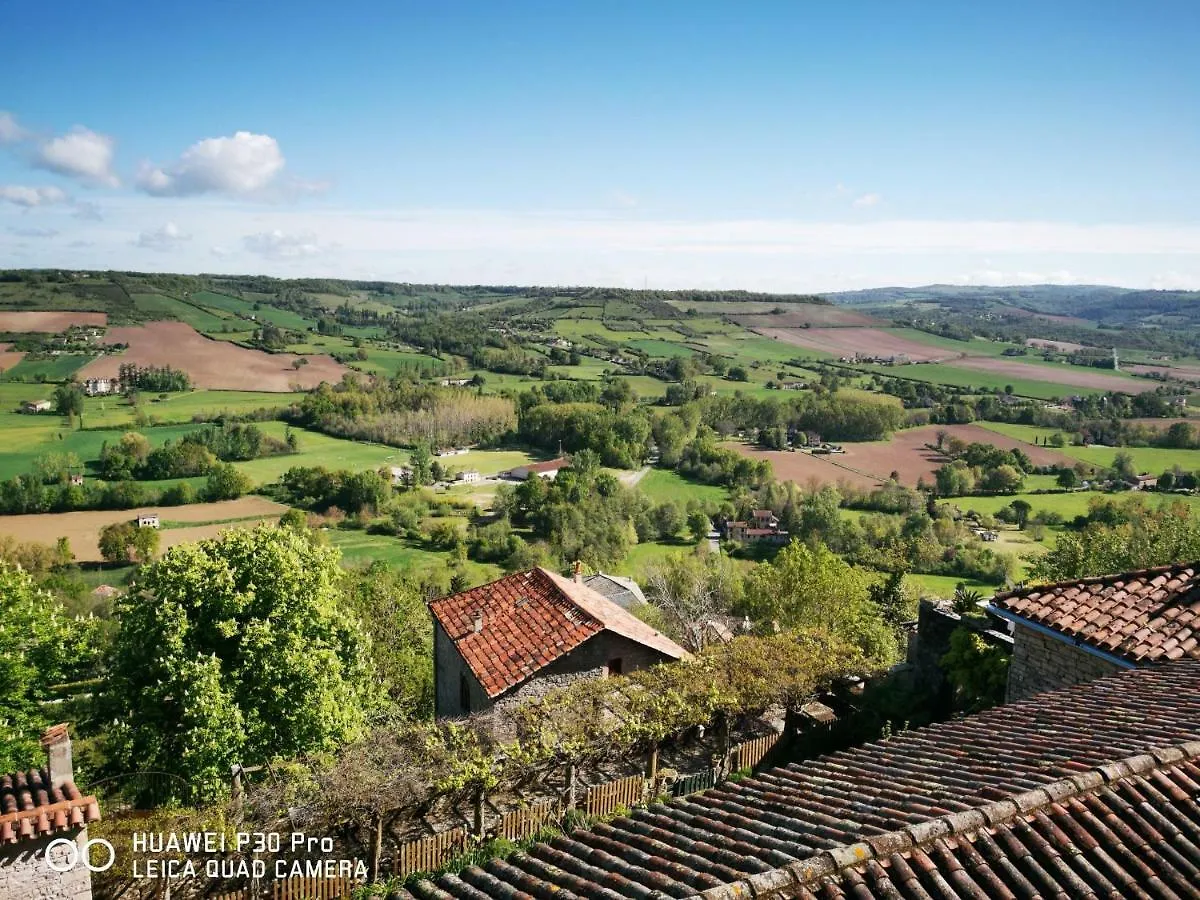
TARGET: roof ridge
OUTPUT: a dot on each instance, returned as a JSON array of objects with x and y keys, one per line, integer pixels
[
  {"x": 830, "y": 862},
  {"x": 566, "y": 595},
  {"x": 1097, "y": 579}
]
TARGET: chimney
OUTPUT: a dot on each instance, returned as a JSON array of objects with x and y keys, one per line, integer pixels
[
  {"x": 577, "y": 571},
  {"x": 478, "y": 621},
  {"x": 57, "y": 744}
]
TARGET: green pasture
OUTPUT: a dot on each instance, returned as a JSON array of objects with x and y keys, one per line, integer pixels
[
  {"x": 664, "y": 484},
  {"x": 943, "y": 586},
  {"x": 1068, "y": 505},
  {"x": 361, "y": 548},
  {"x": 185, "y": 406},
  {"x": 158, "y": 306},
  {"x": 51, "y": 368},
  {"x": 1154, "y": 460},
  {"x": 658, "y": 347},
  {"x": 284, "y": 318},
  {"x": 949, "y": 374}
]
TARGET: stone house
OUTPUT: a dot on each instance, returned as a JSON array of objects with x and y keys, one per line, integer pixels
[
  {"x": 529, "y": 633},
  {"x": 37, "y": 406},
  {"x": 42, "y": 811},
  {"x": 468, "y": 476},
  {"x": 147, "y": 520},
  {"x": 1076, "y": 631}
]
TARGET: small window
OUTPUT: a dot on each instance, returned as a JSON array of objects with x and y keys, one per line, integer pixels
[
  {"x": 464, "y": 694},
  {"x": 614, "y": 666}
]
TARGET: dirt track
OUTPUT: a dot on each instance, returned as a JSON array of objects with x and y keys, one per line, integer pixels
[
  {"x": 82, "y": 529},
  {"x": 211, "y": 364},
  {"x": 52, "y": 322},
  {"x": 849, "y": 341}
]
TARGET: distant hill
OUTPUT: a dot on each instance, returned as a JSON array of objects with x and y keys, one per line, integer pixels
[{"x": 1108, "y": 306}]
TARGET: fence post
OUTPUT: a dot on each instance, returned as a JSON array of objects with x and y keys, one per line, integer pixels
[
  {"x": 651, "y": 787},
  {"x": 571, "y": 785}
]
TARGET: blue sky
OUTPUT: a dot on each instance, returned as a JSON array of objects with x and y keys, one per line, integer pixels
[{"x": 787, "y": 146}]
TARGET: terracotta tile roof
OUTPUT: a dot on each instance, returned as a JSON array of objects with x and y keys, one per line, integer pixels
[
  {"x": 1076, "y": 809},
  {"x": 531, "y": 619},
  {"x": 1144, "y": 616},
  {"x": 31, "y": 807}
]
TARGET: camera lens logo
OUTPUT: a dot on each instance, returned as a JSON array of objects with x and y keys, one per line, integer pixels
[{"x": 72, "y": 858}]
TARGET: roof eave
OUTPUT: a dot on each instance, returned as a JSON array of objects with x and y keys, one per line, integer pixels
[{"x": 1077, "y": 643}]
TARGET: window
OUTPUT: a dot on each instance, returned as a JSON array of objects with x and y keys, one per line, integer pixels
[
  {"x": 464, "y": 693},
  {"x": 614, "y": 666}
]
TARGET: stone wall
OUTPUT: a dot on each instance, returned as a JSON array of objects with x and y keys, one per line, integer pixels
[
  {"x": 1043, "y": 663},
  {"x": 25, "y": 875},
  {"x": 589, "y": 660}
]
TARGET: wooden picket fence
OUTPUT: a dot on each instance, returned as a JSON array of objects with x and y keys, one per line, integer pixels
[
  {"x": 603, "y": 799},
  {"x": 522, "y": 824},
  {"x": 751, "y": 753},
  {"x": 690, "y": 784},
  {"x": 298, "y": 889},
  {"x": 430, "y": 853}
]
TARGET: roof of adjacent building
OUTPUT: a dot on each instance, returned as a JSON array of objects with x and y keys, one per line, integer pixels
[
  {"x": 1144, "y": 616},
  {"x": 31, "y": 807},
  {"x": 550, "y": 465},
  {"x": 530, "y": 619},
  {"x": 620, "y": 590},
  {"x": 1086, "y": 791}
]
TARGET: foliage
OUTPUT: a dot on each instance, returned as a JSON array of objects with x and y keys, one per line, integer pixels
[
  {"x": 1135, "y": 536},
  {"x": 691, "y": 591},
  {"x": 40, "y": 647},
  {"x": 238, "y": 649},
  {"x": 124, "y": 542},
  {"x": 977, "y": 670},
  {"x": 814, "y": 588}
]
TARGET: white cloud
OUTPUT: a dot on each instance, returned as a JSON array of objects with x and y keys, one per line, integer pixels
[
  {"x": 277, "y": 245},
  {"x": 218, "y": 251},
  {"x": 29, "y": 197},
  {"x": 81, "y": 154},
  {"x": 87, "y": 211},
  {"x": 242, "y": 165},
  {"x": 35, "y": 232},
  {"x": 10, "y": 131},
  {"x": 868, "y": 200},
  {"x": 163, "y": 239}
]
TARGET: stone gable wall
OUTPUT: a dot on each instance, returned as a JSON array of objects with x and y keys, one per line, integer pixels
[{"x": 1042, "y": 663}]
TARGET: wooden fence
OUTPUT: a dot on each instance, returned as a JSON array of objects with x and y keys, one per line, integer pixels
[
  {"x": 522, "y": 824},
  {"x": 298, "y": 889},
  {"x": 690, "y": 784},
  {"x": 751, "y": 753},
  {"x": 603, "y": 799},
  {"x": 429, "y": 854}
]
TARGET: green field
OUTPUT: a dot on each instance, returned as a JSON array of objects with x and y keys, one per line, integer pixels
[
  {"x": 361, "y": 548},
  {"x": 284, "y": 318},
  {"x": 657, "y": 347},
  {"x": 1067, "y": 505},
  {"x": 943, "y": 586},
  {"x": 664, "y": 484},
  {"x": 185, "y": 406},
  {"x": 157, "y": 306},
  {"x": 53, "y": 368},
  {"x": 1154, "y": 460},
  {"x": 949, "y": 374}
]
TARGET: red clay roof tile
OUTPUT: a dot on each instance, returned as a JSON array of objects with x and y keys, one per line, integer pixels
[
  {"x": 530, "y": 619},
  {"x": 1138, "y": 616},
  {"x": 31, "y": 807}
]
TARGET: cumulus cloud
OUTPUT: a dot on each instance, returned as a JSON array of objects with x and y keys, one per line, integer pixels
[
  {"x": 29, "y": 197},
  {"x": 162, "y": 239},
  {"x": 10, "y": 131},
  {"x": 242, "y": 165},
  {"x": 35, "y": 232},
  {"x": 867, "y": 200},
  {"x": 82, "y": 154},
  {"x": 278, "y": 245}
]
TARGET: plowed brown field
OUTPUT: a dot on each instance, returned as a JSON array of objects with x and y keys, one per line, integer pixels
[
  {"x": 9, "y": 357},
  {"x": 849, "y": 341},
  {"x": 52, "y": 322},
  {"x": 211, "y": 364},
  {"x": 1065, "y": 374},
  {"x": 869, "y": 464},
  {"x": 82, "y": 529}
]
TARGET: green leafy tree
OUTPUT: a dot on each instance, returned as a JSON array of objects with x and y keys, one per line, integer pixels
[
  {"x": 226, "y": 482},
  {"x": 421, "y": 463},
  {"x": 812, "y": 587},
  {"x": 68, "y": 399},
  {"x": 978, "y": 671},
  {"x": 117, "y": 541},
  {"x": 145, "y": 543},
  {"x": 40, "y": 647},
  {"x": 1021, "y": 510},
  {"x": 1067, "y": 478},
  {"x": 238, "y": 649},
  {"x": 698, "y": 525}
]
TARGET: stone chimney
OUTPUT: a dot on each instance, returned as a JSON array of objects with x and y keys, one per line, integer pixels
[
  {"x": 57, "y": 744},
  {"x": 478, "y": 621}
]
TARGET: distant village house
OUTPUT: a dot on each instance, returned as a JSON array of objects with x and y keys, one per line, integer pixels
[
  {"x": 468, "y": 476},
  {"x": 148, "y": 520},
  {"x": 95, "y": 387},
  {"x": 36, "y": 406},
  {"x": 548, "y": 469}
]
